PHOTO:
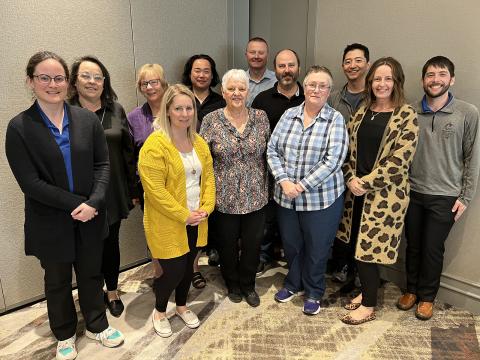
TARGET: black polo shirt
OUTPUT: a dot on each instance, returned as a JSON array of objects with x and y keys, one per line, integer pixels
[
  {"x": 275, "y": 103},
  {"x": 211, "y": 103}
]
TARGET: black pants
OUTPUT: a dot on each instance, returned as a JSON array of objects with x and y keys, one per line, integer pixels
[
  {"x": 343, "y": 254},
  {"x": 271, "y": 235},
  {"x": 58, "y": 291},
  {"x": 368, "y": 272},
  {"x": 111, "y": 257},
  {"x": 239, "y": 269},
  {"x": 370, "y": 279},
  {"x": 177, "y": 275},
  {"x": 428, "y": 222},
  {"x": 212, "y": 232}
]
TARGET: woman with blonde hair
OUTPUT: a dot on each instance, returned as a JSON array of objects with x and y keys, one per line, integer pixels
[
  {"x": 176, "y": 170},
  {"x": 151, "y": 84}
]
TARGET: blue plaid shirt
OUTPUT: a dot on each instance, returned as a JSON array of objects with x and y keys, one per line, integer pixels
[{"x": 312, "y": 157}]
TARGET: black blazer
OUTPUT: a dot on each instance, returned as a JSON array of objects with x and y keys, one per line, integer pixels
[{"x": 37, "y": 164}]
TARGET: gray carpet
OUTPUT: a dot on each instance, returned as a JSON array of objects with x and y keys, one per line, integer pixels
[{"x": 237, "y": 331}]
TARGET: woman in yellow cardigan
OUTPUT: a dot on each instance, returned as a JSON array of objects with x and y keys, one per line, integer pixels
[{"x": 176, "y": 170}]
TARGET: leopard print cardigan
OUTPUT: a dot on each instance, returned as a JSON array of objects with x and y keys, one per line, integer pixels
[{"x": 388, "y": 188}]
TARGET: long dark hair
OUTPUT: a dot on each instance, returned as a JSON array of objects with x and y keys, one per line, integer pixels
[
  {"x": 187, "y": 70},
  {"x": 108, "y": 95}
]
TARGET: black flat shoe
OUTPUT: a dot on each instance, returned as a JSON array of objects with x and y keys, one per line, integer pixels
[
  {"x": 252, "y": 298},
  {"x": 115, "y": 306},
  {"x": 234, "y": 295}
]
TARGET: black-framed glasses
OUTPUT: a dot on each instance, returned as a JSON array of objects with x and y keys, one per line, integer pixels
[
  {"x": 46, "y": 79},
  {"x": 152, "y": 83},
  {"x": 86, "y": 76}
]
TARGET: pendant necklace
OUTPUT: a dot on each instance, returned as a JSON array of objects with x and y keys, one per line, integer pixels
[
  {"x": 374, "y": 114},
  {"x": 191, "y": 163}
]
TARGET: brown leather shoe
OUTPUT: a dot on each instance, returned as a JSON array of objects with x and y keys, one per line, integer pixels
[
  {"x": 424, "y": 310},
  {"x": 406, "y": 301}
]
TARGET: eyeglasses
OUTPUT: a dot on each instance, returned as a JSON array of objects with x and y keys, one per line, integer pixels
[
  {"x": 356, "y": 61},
  {"x": 321, "y": 87},
  {"x": 87, "y": 77},
  {"x": 46, "y": 79},
  {"x": 152, "y": 83}
]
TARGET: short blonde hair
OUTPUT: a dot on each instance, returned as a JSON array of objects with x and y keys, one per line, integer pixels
[
  {"x": 152, "y": 69},
  {"x": 162, "y": 121}
]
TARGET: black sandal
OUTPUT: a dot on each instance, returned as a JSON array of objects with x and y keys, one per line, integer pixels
[{"x": 198, "y": 281}]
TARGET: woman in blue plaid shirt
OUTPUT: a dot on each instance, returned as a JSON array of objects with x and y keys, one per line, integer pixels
[{"x": 305, "y": 154}]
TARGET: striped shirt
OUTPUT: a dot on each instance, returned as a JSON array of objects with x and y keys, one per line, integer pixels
[{"x": 312, "y": 157}]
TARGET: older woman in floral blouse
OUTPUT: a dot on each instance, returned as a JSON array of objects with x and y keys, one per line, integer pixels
[{"x": 238, "y": 138}]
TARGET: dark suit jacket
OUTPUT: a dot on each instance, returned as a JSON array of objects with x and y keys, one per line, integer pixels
[{"x": 37, "y": 164}]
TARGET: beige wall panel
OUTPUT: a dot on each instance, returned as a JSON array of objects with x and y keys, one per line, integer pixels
[
  {"x": 413, "y": 31},
  {"x": 72, "y": 29},
  {"x": 282, "y": 29},
  {"x": 191, "y": 27}
]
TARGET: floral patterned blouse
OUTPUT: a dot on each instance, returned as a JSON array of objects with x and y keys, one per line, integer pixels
[{"x": 239, "y": 161}]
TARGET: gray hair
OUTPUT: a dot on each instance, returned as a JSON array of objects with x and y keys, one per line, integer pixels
[
  {"x": 319, "y": 69},
  {"x": 235, "y": 74}
]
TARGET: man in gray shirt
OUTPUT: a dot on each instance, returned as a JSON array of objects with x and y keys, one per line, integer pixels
[
  {"x": 355, "y": 65},
  {"x": 347, "y": 100},
  {"x": 443, "y": 179},
  {"x": 260, "y": 78}
]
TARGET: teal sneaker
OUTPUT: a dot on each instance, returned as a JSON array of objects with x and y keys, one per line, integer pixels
[
  {"x": 66, "y": 349},
  {"x": 109, "y": 337}
]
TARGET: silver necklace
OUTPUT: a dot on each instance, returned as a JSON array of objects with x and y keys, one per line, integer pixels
[
  {"x": 191, "y": 163},
  {"x": 374, "y": 114}
]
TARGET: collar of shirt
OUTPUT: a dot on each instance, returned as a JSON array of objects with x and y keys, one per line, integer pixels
[
  {"x": 50, "y": 125},
  {"x": 426, "y": 109},
  {"x": 299, "y": 89},
  {"x": 267, "y": 75}
]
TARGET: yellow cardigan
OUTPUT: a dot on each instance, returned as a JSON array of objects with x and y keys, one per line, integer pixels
[{"x": 164, "y": 182}]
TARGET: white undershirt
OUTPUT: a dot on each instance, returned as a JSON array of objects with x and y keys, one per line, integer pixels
[{"x": 191, "y": 163}]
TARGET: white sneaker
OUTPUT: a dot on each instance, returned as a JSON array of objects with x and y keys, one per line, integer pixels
[
  {"x": 189, "y": 318},
  {"x": 109, "y": 337},
  {"x": 162, "y": 326},
  {"x": 66, "y": 349}
]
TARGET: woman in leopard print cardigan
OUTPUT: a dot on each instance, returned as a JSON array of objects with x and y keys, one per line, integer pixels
[{"x": 383, "y": 137}]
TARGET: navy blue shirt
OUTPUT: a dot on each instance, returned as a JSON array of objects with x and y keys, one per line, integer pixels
[
  {"x": 63, "y": 141},
  {"x": 426, "y": 108}
]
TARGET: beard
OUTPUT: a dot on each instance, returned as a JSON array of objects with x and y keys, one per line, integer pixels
[
  {"x": 288, "y": 78},
  {"x": 442, "y": 91}
]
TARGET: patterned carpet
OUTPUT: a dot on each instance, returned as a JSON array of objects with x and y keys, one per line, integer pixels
[{"x": 237, "y": 331}]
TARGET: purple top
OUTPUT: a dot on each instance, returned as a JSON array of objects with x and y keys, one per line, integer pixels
[{"x": 140, "y": 125}]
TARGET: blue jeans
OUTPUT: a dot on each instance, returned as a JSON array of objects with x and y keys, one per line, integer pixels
[{"x": 307, "y": 237}]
